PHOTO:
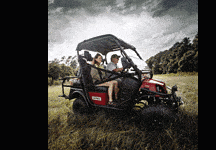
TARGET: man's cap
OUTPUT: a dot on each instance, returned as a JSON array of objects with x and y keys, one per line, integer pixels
[{"x": 115, "y": 56}]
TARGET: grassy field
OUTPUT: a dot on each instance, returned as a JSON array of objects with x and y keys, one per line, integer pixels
[
  {"x": 105, "y": 131},
  {"x": 187, "y": 88}
]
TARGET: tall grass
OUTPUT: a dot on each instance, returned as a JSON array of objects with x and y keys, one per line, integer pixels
[
  {"x": 103, "y": 130},
  {"x": 187, "y": 84},
  {"x": 181, "y": 74}
]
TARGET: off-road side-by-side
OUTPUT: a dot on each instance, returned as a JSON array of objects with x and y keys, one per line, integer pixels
[{"x": 136, "y": 85}]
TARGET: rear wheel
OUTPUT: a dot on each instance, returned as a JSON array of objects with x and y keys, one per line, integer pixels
[
  {"x": 80, "y": 107},
  {"x": 156, "y": 117}
]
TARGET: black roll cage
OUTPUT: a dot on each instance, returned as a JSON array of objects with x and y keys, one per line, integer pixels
[{"x": 116, "y": 43}]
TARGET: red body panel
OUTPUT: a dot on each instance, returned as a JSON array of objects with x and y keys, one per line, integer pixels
[
  {"x": 151, "y": 85},
  {"x": 99, "y": 98}
]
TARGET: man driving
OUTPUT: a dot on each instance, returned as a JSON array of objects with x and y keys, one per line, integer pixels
[{"x": 112, "y": 66}]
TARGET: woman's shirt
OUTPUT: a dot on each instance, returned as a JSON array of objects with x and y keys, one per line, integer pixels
[{"x": 95, "y": 74}]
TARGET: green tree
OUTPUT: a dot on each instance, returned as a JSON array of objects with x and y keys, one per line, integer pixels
[
  {"x": 73, "y": 63},
  {"x": 66, "y": 71},
  {"x": 195, "y": 43},
  {"x": 150, "y": 62},
  {"x": 186, "y": 63},
  {"x": 53, "y": 71},
  {"x": 56, "y": 70},
  {"x": 182, "y": 56}
]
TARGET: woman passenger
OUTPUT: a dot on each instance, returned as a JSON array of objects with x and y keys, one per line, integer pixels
[{"x": 96, "y": 77}]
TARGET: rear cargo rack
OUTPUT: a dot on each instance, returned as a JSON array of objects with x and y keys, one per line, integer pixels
[{"x": 65, "y": 78}]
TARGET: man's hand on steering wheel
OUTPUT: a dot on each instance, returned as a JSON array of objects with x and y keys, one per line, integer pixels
[
  {"x": 123, "y": 69},
  {"x": 118, "y": 69},
  {"x": 128, "y": 66}
]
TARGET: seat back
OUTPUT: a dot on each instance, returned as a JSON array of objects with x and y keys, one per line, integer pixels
[
  {"x": 88, "y": 56},
  {"x": 87, "y": 78},
  {"x": 86, "y": 74}
]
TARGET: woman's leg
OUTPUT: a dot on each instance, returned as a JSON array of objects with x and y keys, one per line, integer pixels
[
  {"x": 116, "y": 89},
  {"x": 110, "y": 89},
  {"x": 111, "y": 84}
]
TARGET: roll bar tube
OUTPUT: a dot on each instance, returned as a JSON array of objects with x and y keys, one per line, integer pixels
[{"x": 130, "y": 60}]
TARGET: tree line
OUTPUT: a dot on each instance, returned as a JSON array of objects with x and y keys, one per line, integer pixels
[
  {"x": 61, "y": 68},
  {"x": 181, "y": 57}
]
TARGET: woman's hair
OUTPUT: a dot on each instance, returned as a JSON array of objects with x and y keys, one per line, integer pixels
[{"x": 96, "y": 56}]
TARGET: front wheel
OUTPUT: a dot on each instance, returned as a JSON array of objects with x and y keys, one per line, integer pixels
[
  {"x": 156, "y": 117},
  {"x": 80, "y": 107}
]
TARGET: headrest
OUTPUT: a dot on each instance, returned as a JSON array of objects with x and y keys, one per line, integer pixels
[{"x": 88, "y": 56}]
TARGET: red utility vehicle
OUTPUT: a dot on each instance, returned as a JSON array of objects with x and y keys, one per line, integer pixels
[{"x": 139, "y": 94}]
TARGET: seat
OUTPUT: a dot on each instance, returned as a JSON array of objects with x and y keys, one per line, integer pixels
[
  {"x": 101, "y": 89},
  {"x": 87, "y": 79}
]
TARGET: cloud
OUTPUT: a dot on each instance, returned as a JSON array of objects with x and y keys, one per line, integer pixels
[
  {"x": 150, "y": 25},
  {"x": 91, "y": 6},
  {"x": 157, "y": 8},
  {"x": 176, "y": 7},
  {"x": 67, "y": 3},
  {"x": 160, "y": 8}
]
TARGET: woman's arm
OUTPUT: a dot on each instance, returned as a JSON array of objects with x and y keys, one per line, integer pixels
[{"x": 93, "y": 61}]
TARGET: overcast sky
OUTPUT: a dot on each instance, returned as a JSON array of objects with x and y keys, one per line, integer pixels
[{"x": 149, "y": 25}]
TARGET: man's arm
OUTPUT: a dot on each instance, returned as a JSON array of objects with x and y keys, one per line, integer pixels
[
  {"x": 118, "y": 69},
  {"x": 112, "y": 67}
]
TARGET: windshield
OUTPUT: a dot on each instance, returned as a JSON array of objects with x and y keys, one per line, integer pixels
[{"x": 141, "y": 64}]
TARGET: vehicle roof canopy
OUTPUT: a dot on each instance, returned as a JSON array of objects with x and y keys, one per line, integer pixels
[{"x": 104, "y": 44}]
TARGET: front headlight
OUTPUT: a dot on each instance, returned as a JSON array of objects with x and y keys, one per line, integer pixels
[
  {"x": 144, "y": 75},
  {"x": 146, "y": 72}
]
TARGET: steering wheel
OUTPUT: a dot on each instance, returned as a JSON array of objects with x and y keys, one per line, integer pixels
[
  {"x": 125, "y": 64},
  {"x": 123, "y": 70}
]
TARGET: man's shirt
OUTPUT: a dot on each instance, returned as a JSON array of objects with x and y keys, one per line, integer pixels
[{"x": 111, "y": 66}]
